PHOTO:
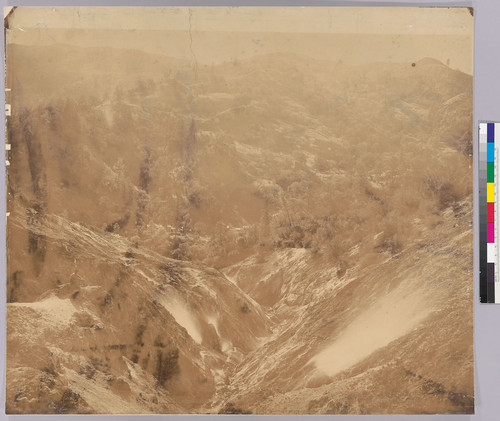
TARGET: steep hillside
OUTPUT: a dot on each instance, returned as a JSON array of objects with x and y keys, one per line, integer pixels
[{"x": 269, "y": 235}]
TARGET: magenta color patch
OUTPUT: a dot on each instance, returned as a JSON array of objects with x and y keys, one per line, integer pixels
[{"x": 491, "y": 232}]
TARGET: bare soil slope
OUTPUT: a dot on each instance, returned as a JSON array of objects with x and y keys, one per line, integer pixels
[{"x": 269, "y": 235}]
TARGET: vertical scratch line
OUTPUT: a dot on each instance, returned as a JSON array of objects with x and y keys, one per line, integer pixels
[{"x": 191, "y": 46}]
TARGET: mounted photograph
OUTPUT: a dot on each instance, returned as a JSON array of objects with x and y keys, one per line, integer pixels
[{"x": 239, "y": 210}]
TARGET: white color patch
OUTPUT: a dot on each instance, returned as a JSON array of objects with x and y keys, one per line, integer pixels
[{"x": 491, "y": 253}]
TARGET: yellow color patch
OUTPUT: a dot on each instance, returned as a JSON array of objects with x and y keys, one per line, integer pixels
[{"x": 490, "y": 192}]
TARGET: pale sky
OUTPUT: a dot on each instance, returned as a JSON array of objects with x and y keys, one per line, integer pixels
[
  {"x": 372, "y": 20},
  {"x": 451, "y": 29}
]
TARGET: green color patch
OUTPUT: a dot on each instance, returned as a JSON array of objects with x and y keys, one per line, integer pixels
[{"x": 491, "y": 172}]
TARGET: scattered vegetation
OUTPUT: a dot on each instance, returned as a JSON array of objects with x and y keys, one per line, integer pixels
[
  {"x": 13, "y": 283},
  {"x": 69, "y": 403},
  {"x": 230, "y": 408},
  {"x": 139, "y": 335},
  {"x": 144, "y": 180},
  {"x": 245, "y": 309},
  {"x": 167, "y": 365},
  {"x": 119, "y": 223},
  {"x": 298, "y": 180}
]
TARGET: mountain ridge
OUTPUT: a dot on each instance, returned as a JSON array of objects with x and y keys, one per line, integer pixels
[{"x": 184, "y": 242}]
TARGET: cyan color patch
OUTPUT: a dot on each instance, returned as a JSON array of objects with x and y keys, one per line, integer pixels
[{"x": 491, "y": 152}]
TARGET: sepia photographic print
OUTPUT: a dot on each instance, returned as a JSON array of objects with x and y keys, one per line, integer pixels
[{"x": 239, "y": 210}]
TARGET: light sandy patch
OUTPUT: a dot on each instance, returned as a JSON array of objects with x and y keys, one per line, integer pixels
[
  {"x": 226, "y": 345},
  {"x": 182, "y": 316},
  {"x": 390, "y": 318},
  {"x": 54, "y": 310},
  {"x": 212, "y": 320},
  {"x": 99, "y": 397}
]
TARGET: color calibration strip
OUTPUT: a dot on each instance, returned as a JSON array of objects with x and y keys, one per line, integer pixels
[{"x": 489, "y": 281}]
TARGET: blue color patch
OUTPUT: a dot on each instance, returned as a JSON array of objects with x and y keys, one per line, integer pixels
[
  {"x": 490, "y": 132},
  {"x": 491, "y": 152}
]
